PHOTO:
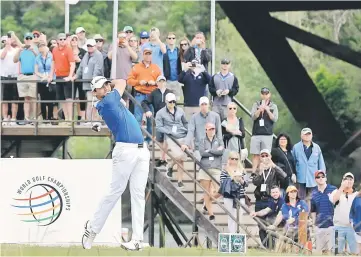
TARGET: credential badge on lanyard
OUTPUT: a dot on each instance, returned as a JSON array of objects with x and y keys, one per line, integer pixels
[{"x": 264, "y": 186}]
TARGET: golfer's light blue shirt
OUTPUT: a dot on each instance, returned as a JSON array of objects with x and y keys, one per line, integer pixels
[{"x": 119, "y": 120}]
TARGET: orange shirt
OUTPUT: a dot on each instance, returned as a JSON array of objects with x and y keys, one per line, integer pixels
[
  {"x": 62, "y": 59},
  {"x": 141, "y": 72}
]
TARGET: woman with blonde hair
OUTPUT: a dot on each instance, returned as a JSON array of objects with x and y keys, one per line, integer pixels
[{"x": 233, "y": 187}]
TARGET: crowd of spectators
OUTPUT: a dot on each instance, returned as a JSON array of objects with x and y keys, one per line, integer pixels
[{"x": 289, "y": 179}]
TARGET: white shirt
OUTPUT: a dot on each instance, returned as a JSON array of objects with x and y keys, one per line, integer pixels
[
  {"x": 7, "y": 65},
  {"x": 342, "y": 210}
]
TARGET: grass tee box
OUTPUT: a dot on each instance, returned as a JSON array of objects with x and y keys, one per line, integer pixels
[{"x": 232, "y": 243}]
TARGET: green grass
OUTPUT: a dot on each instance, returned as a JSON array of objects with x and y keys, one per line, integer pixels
[{"x": 23, "y": 250}]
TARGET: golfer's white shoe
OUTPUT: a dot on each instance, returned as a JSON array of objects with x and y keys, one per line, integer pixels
[
  {"x": 132, "y": 245},
  {"x": 88, "y": 236}
]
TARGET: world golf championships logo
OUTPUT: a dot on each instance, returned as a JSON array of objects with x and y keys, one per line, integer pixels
[{"x": 43, "y": 199}]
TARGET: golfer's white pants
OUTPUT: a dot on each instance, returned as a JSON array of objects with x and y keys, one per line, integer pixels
[
  {"x": 228, "y": 204},
  {"x": 130, "y": 163}
]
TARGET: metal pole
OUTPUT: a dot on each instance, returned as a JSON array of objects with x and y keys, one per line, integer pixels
[
  {"x": 66, "y": 27},
  {"x": 151, "y": 188},
  {"x": 115, "y": 36},
  {"x": 213, "y": 34},
  {"x": 195, "y": 227}
]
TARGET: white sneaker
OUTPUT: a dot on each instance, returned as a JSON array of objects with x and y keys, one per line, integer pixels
[
  {"x": 132, "y": 245},
  {"x": 88, "y": 237},
  {"x": 13, "y": 122},
  {"x": 6, "y": 122}
]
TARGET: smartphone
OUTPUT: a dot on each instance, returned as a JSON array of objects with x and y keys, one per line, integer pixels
[{"x": 263, "y": 102}]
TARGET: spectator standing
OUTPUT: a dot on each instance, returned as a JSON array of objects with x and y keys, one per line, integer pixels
[
  {"x": 197, "y": 124},
  {"x": 26, "y": 56},
  {"x": 142, "y": 78},
  {"x": 64, "y": 67},
  {"x": 342, "y": 199},
  {"x": 223, "y": 87},
  {"x": 144, "y": 37},
  {"x": 308, "y": 157},
  {"x": 322, "y": 211},
  {"x": 183, "y": 47},
  {"x": 134, "y": 44},
  {"x": 79, "y": 93},
  {"x": 80, "y": 32},
  {"x": 232, "y": 186},
  {"x": 129, "y": 31},
  {"x": 195, "y": 80},
  {"x": 211, "y": 151},
  {"x": 156, "y": 100},
  {"x": 233, "y": 133},
  {"x": 9, "y": 71},
  {"x": 91, "y": 66},
  {"x": 199, "y": 51},
  {"x": 270, "y": 213},
  {"x": 52, "y": 44},
  {"x": 355, "y": 218},
  {"x": 171, "y": 121},
  {"x": 283, "y": 158},
  {"x": 43, "y": 67},
  {"x": 172, "y": 65},
  {"x": 264, "y": 114},
  {"x": 100, "y": 46},
  {"x": 157, "y": 46}
]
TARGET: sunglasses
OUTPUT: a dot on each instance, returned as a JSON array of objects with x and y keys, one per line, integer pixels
[
  {"x": 184, "y": 44},
  {"x": 232, "y": 108},
  {"x": 264, "y": 155},
  {"x": 210, "y": 129},
  {"x": 171, "y": 38},
  {"x": 234, "y": 159},
  {"x": 265, "y": 93},
  {"x": 129, "y": 32},
  {"x": 28, "y": 38},
  {"x": 36, "y": 35},
  {"x": 62, "y": 39},
  {"x": 224, "y": 62},
  {"x": 320, "y": 177},
  {"x": 89, "y": 46},
  {"x": 172, "y": 102},
  {"x": 144, "y": 38},
  {"x": 99, "y": 40}
]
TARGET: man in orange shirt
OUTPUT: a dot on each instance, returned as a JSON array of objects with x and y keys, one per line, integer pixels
[
  {"x": 64, "y": 66},
  {"x": 142, "y": 77}
]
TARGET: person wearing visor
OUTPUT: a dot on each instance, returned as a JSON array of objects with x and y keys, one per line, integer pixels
[
  {"x": 308, "y": 158},
  {"x": 130, "y": 162},
  {"x": 342, "y": 199},
  {"x": 264, "y": 114}
]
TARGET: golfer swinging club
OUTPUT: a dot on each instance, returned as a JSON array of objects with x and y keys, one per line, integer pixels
[{"x": 130, "y": 162}]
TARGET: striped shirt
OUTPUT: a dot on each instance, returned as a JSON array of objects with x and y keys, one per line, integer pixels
[
  {"x": 322, "y": 206},
  {"x": 242, "y": 190}
]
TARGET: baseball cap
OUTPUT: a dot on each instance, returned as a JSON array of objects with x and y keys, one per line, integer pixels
[
  {"x": 128, "y": 28},
  {"x": 291, "y": 188},
  {"x": 28, "y": 34},
  {"x": 98, "y": 36},
  {"x": 265, "y": 90},
  {"x": 4, "y": 38},
  {"x": 98, "y": 82},
  {"x": 265, "y": 151},
  {"x": 36, "y": 32},
  {"x": 79, "y": 29},
  {"x": 225, "y": 61},
  {"x": 161, "y": 78},
  {"x": 319, "y": 172},
  {"x": 203, "y": 100},
  {"x": 61, "y": 35},
  {"x": 305, "y": 131},
  {"x": 90, "y": 42},
  {"x": 170, "y": 97},
  {"x": 348, "y": 174},
  {"x": 144, "y": 34},
  {"x": 147, "y": 50}
]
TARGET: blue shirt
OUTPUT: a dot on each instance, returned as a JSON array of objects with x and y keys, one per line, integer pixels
[
  {"x": 275, "y": 206},
  {"x": 27, "y": 60},
  {"x": 288, "y": 210},
  {"x": 321, "y": 204},
  {"x": 44, "y": 64},
  {"x": 173, "y": 57},
  {"x": 157, "y": 55},
  {"x": 119, "y": 120},
  {"x": 355, "y": 214}
]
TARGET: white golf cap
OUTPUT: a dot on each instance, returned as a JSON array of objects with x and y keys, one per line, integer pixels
[
  {"x": 348, "y": 174},
  {"x": 170, "y": 97},
  {"x": 98, "y": 36},
  {"x": 4, "y": 38},
  {"x": 79, "y": 29},
  {"x": 305, "y": 131},
  {"x": 203, "y": 100},
  {"x": 90, "y": 42},
  {"x": 161, "y": 78},
  {"x": 98, "y": 82},
  {"x": 265, "y": 151}
]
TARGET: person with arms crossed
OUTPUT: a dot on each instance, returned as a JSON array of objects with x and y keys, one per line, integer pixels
[{"x": 130, "y": 162}]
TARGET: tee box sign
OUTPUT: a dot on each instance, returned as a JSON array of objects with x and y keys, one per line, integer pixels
[{"x": 232, "y": 243}]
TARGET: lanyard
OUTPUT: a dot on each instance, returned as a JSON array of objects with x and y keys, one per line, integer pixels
[
  {"x": 264, "y": 177},
  {"x": 44, "y": 63}
]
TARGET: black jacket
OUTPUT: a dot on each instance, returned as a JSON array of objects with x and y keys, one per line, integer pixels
[
  {"x": 275, "y": 177},
  {"x": 156, "y": 99},
  {"x": 227, "y": 136},
  {"x": 286, "y": 162},
  {"x": 206, "y": 56}
]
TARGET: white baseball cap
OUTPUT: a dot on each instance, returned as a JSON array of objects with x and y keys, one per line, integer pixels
[
  {"x": 90, "y": 42},
  {"x": 305, "y": 131},
  {"x": 79, "y": 29},
  {"x": 265, "y": 151},
  {"x": 348, "y": 174},
  {"x": 4, "y": 38},
  {"x": 98, "y": 82},
  {"x": 170, "y": 97},
  {"x": 161, "y": 78},
  {"x": 203, "y": 100}
]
